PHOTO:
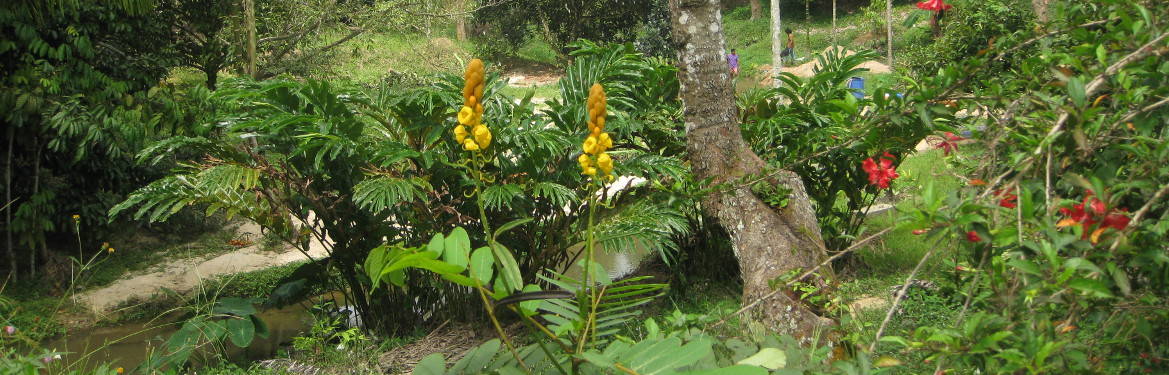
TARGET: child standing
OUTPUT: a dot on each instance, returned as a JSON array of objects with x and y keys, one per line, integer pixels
[
  {"x": 789, "y": 50},
  {"x": 733, "y": 61}
]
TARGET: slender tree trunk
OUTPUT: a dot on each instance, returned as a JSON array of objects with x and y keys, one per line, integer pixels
[
  {"x": 776, "y": 43},
  {"x": 36, "y": 189},
  {"x": 889, "y": 31},
  {"x": 8, "y": 203},
  {"x": 767, "y": 241},
  {"x": 250, "y": 25},
  {"x": 756, "y": 9},
  {"x": 1040, "y": 7},
  {"x": 834, "y": 23},
  {"x": 461, "y": 20}
]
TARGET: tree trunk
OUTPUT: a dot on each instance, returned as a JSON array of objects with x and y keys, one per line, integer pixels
[
  {"x": 776, "y": 42},
  {"x": 36, "y": 189},
  {"x": 250, "y": 25},
  {"x": 889, "y": 31},
  {"x": 1040, "y": 7},
  {"x": 756, "y": 9},
  {"x": 834, "y": 23},
  {"x": 8, "y": 202},
  {"x": 461, "y": 20},
  {"x": 767, "y": 242}
]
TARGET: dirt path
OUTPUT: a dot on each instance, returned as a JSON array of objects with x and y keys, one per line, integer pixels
[
  {"x": 186, "y": 274},
  {"x": 807, "y": 69}
]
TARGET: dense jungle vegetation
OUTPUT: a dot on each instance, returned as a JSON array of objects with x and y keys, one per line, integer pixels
[{"x": 584, "y": 187}]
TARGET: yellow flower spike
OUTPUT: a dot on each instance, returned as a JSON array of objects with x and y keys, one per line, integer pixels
[
  {"x": 460, "y": 133},
  {"x": 466, "y": 115},
  {"x": 584, "y": 161},
  {"x": 590, "y": 145},
  {"x": 605, "y": 163},
  {"x": 605, "y": 141},
  {"x": 470, "y": 145},
  {"x": 482, "y": 136}
]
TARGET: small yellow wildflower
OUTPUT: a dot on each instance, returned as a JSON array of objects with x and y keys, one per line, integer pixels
[
  {"x": 589, "y": 171},
  {"x": 110, "y": 250},
  {"x": 470, "y": 145},
  {"x": 76, "y": 217}
]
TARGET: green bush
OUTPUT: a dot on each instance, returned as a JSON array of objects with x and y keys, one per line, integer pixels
[{"x": 968, "y": 28}]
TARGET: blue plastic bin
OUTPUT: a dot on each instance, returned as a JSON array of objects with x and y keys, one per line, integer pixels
[{"x": 857, "y": 85}]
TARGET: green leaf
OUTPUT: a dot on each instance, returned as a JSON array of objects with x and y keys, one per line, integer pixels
[
  {"x": 1026, "y": 266},
  {"x": 436, "y": 244},
  {"x": 234, "y": 306},
  {"x": 770, "y": 358},
  {"x": 733, "y": 370},
  {"x": 456, "y": 248},
  {"x": 431, "y": 365},
  {"x": 241, "y": 331},
  {"x": 598, "y": 359},
  {"x": 509, "y": 269},
  {"x": 1077, "y": 92},
  {"x": 482, "y": 265},
  {"x": 1091, "y": 287},
  {"x": 529, "y": 308},
  {"x": 509, "y": 225},
  {"x": 1120, "y": 278}
]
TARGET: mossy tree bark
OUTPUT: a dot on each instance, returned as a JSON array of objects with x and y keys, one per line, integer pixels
[{"x": 767, "y": 241}]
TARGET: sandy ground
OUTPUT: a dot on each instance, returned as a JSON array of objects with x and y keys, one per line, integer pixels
[
  {"x": 186, "y": 274},
  {"x": 806, "y": 69}
]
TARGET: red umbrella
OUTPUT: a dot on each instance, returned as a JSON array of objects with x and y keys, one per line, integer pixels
[{"x": 934, "y": 5}]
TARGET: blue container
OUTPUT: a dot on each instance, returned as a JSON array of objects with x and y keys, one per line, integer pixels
[{"x": 857, "y": 85}]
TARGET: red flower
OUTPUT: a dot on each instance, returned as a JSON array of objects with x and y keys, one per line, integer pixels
[
  {"x": 1097, "y": 212},
  {"x": 1115, "y": 221},
  {"x": 1008, "y": 199},
  {"x": 880, "y": 173},
  {"x": 972, "y": 236},
  {"x": 949, "y": 144}
]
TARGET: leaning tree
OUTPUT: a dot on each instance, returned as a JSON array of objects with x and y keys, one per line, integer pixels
[{"x": 768, "y": 241}]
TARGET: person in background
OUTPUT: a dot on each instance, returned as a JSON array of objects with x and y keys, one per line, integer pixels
[
  {"x": 733, "y": 61},
  {"x": 789, "y": 50}
]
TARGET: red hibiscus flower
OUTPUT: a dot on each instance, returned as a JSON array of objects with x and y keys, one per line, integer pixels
[
  {"x": 882, "y": 172},
  {"x": 972, "y": 236}
]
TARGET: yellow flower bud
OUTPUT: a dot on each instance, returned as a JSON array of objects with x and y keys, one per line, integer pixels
[
  {"x": 604, "y": 142},
  {"x": 605, "y": 163},
  {"x": 590, "y": 145},
  {"x": 584, "y": 161},
  {"x": 460, "y": 133},
  {"x": 601, "y": 122},
  {"x": 482, "y": 135},
  {"x": 470, "y": 145},
  {"x": 110, "y": 250},
  {"x": 466, "y": 116},
  {"x": 589, "y": 171},
  {"x": 76, "y": 217}
]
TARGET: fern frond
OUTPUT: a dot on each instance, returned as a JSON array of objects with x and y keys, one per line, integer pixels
[
  {"x": 556, "y": 194},
  {"x": 641, "y": 224},
  {"x": 501, "y": 196},
  {"x": 377, "y": 194}
]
